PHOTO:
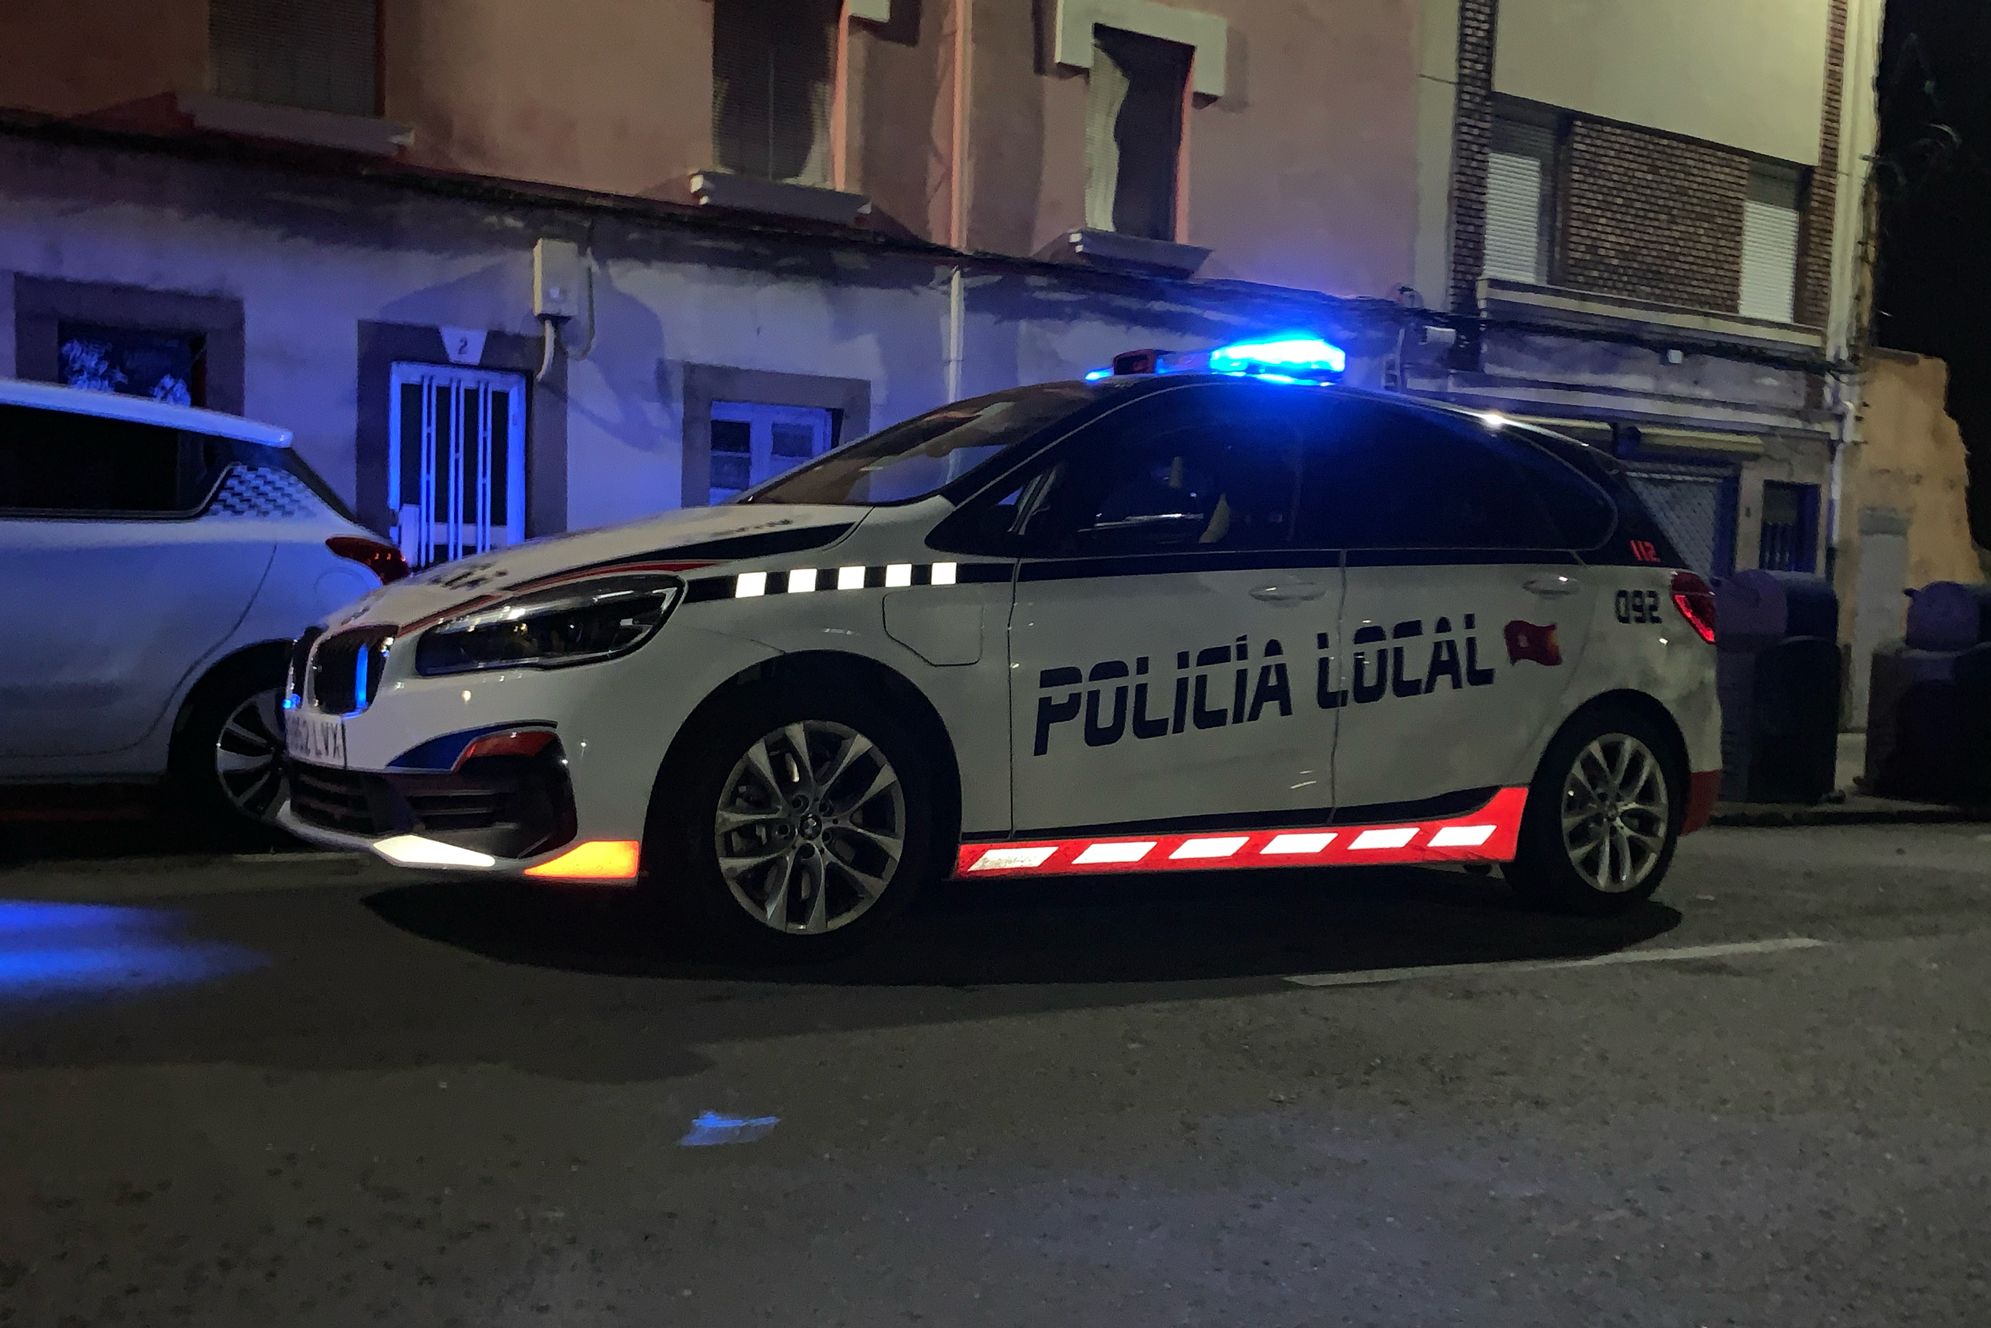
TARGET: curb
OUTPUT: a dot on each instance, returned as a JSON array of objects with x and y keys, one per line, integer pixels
[{"x": 1910, "y": 813}]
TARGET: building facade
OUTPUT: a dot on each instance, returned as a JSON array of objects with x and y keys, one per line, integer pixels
[
  {"x": 1656, "y": 212},
  {"x": 579, "y": 269}
]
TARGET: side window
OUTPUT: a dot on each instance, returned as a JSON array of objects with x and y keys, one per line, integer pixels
[
  {"x": 62, "y": 464},
  {"x": 1378, "y": 477},
  {"x": 1196, "y": 467}
]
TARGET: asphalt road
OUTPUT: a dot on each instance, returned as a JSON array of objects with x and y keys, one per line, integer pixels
[{"x": 294, "y": 1092}]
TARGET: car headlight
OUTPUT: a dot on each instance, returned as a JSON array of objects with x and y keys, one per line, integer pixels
[{"x": 574, "y": 624}]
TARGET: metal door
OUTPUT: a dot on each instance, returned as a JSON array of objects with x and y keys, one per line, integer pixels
[
  {"x": 455, "y": 460},
  {"x": 1696, "y": 509}
]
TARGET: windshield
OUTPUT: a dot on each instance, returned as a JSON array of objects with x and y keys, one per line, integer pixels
[{"x": 926, "y": 453}]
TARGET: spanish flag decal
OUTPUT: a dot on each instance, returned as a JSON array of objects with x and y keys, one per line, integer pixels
[{"x": 1525, "y": 640}]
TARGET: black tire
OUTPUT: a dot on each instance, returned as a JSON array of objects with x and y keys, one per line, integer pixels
[
  {"x": 1545, "y": 871},
  {"x": 681, "y": 874},
  {"x": 211, "y": 724}
]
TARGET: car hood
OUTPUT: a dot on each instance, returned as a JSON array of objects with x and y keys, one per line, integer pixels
[{"x": 701, "y": 535}]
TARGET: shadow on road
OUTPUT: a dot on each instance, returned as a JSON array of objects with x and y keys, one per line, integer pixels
[
  {"x": 40, "y": 827},
  {"x": 584, "y": 988},
  {"x": 1075, "y": 931}
]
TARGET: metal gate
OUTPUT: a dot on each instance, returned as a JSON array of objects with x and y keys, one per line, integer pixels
[
  {"x": 455, "y": 460},
  {"x": 1696, "y": 509}
]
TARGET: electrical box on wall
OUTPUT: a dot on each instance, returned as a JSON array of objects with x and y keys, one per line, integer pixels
[{"x": 556, "y": 279}]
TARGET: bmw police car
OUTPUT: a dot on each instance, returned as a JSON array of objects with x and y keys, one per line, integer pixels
[{"x": 1202, "y": 611}]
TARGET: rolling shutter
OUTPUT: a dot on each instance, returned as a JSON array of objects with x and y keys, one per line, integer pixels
[
  {"x": 1133, "y": 132},
  {"x": 321, "y": 55},
  {"x": 1769, "y": 244},
  {"x": 773, "y": 63},
  {"x": 1517, "y": 194}
]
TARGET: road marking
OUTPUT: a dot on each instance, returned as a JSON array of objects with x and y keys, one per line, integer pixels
[{"x": 1678, "y": 954}]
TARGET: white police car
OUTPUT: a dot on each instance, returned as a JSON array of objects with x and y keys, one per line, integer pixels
[{"x": 1202, "y": 612}]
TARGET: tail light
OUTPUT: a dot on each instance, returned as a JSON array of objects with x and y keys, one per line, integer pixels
[
  {"x": 383, "y": 560},
  {"x": 1696, "y": 604}
]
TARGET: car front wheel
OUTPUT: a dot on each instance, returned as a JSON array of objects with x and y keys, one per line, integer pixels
[
  {"x": 792, "y": 826},
  {"x": 1603, "y": 817}
]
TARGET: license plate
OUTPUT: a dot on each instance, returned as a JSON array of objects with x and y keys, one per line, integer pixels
[{"x": 319, "y": 739}]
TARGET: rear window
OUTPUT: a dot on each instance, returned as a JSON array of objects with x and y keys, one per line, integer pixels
[
  {"x": 1584, "y": 516},
  {"x": 62, "y": 464},
  {"x": 1381, "y": 477},
  {"x": 288, "y": 461}
]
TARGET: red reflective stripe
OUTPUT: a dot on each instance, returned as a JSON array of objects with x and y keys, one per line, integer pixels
[
  {"x": 1486, "y": 835},
  {"x": 1703, "y": 790}
]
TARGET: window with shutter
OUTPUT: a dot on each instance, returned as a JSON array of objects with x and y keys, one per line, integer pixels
[
  {"x": 1519, "y": 172},
  {"x": 1769, "y": 243},
  {"x": 773, "y": 70},
  {"x": 1133, "y": 132},
  {"x": 322, "y": 55}
]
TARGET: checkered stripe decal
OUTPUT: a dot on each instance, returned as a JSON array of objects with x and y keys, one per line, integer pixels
[
  {"x": 809, "y": 580},
  {"x": 1486, "y": 835},
  {"x": 261, "y": 491}
]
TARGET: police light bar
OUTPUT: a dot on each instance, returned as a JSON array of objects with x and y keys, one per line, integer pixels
[
  {"x": 1288, "y": 359},
  {"x": 1307, "y": 357}
]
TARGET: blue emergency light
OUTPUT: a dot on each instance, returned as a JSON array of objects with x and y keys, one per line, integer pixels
[
  {"x": 1285, "y": 359},
  {"x": 1307, "y": 358}
]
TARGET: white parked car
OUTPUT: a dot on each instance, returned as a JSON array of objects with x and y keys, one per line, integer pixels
[
  {"x": 155, "y": 563},
  {"x": 1162, "y": 620}
]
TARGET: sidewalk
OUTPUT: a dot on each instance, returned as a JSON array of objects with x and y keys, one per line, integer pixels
[{"x": 1846, "y": 806}]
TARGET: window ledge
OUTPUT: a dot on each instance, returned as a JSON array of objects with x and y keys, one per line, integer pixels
[
  {"x": 744, "y": 193},
  {"x": 1112, "y": 249},
  {"x": 295, "y": 124},
  {"x": 1579, "y": 309}
]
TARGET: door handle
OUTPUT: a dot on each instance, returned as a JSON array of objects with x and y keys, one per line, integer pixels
[
  {"x": 1289, "y": 592},
  {"x": 1552, "y": 587}
]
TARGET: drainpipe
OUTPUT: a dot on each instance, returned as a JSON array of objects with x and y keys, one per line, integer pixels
[
  {"x": 956, "y": 301},
  {"x": 957, "y": 206},
  {"x": 1852, "y": 233},
  {"x": 1843, "y": 412}
]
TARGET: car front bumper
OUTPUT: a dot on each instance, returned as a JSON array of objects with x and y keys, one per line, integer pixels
[{"x": 577, "y": 812}]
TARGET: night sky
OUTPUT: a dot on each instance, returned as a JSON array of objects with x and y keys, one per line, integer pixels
[{"x": 1934, "y": 171}]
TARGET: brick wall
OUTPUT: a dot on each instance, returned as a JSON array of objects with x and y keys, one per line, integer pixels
[
  {"x": 1639, "y": 213},
  {"x": 1472, "y": 133},
  {"x": 1814, "y": 268},
  {"x": 1647, "y": 216}
]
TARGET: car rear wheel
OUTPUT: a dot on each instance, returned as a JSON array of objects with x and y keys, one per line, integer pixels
[
  {"x": 792, "y": 826},
  {"x": 1603, "y": 817}
]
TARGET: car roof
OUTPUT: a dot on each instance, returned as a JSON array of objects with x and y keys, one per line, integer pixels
[
  {"x": 1430, "y": 406},
  {"x": 139, "y": 410}
]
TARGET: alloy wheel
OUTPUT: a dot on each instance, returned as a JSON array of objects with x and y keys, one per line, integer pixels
[
  {"x": 248, "y": 756},
  {"x": 1615, "y": 813},
  {"x": 811, "y": 827}
]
